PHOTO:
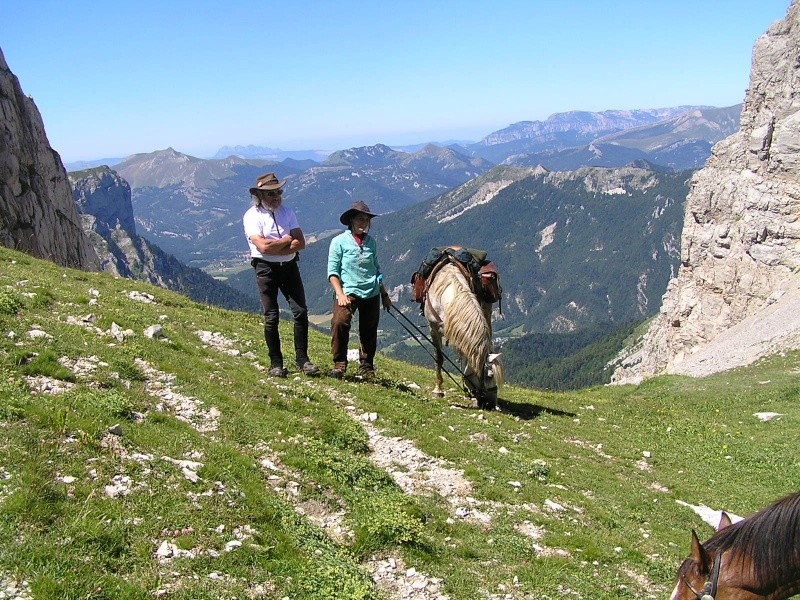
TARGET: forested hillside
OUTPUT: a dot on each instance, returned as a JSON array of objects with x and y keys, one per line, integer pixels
[{"x": 573, "y": 249}]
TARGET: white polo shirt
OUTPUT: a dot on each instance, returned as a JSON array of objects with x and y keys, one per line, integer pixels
[{"x": 272, "y": 225}]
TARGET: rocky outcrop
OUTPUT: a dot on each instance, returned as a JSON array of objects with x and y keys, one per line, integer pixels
[
  {"x": 740, "y": 246},
  {"x": 105, "y": 195},
  {"x": 104, "y": 200},
  {"x": 37, "y": 214}
]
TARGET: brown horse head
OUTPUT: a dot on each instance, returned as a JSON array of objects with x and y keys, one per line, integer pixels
[
  {"x": 757, "y": 558},
  {"x": 698, "y": 576},
  {"x": 717, "y": 575}
]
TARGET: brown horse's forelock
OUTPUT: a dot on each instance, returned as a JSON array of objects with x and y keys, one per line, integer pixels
[{"x": 769, "y": 539}]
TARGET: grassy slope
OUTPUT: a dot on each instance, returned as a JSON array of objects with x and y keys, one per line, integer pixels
[{"x": 621, "y": 534}]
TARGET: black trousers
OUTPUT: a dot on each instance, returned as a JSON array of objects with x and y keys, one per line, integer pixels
[{"x": 272, "y": 277}]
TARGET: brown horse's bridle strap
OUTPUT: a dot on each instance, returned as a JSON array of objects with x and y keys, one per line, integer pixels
[{"x": 710, "y": 588}]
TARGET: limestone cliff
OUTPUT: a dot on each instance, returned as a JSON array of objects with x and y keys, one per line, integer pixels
[
  {"x": 740, "y": 246},
  {"x": 37, "y": 213},
  {"x": 104, "y": 201}
]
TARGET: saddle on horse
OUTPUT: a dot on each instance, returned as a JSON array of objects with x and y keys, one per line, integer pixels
[{"x": 483, "y": 277}]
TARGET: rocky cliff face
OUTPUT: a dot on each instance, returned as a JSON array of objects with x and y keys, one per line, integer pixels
[
  {"x": 104, "y": 201},
  {"x": 740, "y": 247},
  {"x": 37, "y": 213},
  {"x": 105, "y": 195}
]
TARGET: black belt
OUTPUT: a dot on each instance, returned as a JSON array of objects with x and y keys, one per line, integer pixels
[{"x": 254, "y": 261}]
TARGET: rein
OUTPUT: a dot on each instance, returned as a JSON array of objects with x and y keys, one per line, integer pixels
[
  {"x": 421, "y": 333},
  {"x": 710, "y": 588}
]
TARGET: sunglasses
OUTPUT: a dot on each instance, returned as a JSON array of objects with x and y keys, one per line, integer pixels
[{"x": 273, "y": 193}]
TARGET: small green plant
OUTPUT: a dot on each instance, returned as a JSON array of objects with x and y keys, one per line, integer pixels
[
  {"x": 332, "y": 578},
  {"x": 127, "y": 370},
  {"x": 109, "y": 401},
  {"x": 389, "y": 519},
  {"x": 342, "y": 432},
  {"x": 9, "y": 303},
  {"x": 41, "y": 299},
  {"x": 13, "y": 398},
  {"x": 44, "y": 363},
  {"x": 353, "y": 472}
]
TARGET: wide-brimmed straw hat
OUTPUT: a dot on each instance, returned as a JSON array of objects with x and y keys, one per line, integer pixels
[
  {"x": 357, "y": 207},
  {"x": 267, "y": 182}
]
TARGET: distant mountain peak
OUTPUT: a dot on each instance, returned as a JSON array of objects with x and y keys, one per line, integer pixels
[
  {"x": 164, "y": 168},
  {"x": 365, "y": 156},
  {"x": 584, "y": 123},
  {"x": 434, "y": 150},
  {"x": 266, "y": 153}
]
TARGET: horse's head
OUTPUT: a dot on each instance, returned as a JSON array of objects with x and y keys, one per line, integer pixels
[
  {"x": 485, "y": 387},
  {"x": 703, "y": 576},
  {"x": 698, "y": 575}
]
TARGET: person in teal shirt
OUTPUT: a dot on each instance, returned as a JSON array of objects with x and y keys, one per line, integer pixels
[{"x": 357, "y": 282}]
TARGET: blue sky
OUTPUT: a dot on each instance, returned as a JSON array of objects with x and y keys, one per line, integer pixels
[{"x": 118, "y": 78}]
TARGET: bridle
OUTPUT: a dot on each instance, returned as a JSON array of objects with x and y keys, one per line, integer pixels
[
  {"x": 486, "y": 374},
  {"x": 710, "y": 587}
]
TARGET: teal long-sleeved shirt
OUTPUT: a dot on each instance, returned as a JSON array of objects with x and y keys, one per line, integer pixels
[{"x": 355, "y": 265}]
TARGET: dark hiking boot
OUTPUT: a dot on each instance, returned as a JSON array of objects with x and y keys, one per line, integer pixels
[
  {"x": 278, "y": 372},
  {"x": 338, "y": 370},
  {"x": 366, "y": 371},
  {"x": 308, "y": 368}
]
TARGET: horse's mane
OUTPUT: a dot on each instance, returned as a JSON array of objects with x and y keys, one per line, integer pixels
[
  {"x": 467, "y": 322},
  {"x": 770, "y": 538}
]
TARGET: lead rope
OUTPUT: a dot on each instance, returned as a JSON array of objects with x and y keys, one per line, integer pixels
[{"x": 464, "y": 390}]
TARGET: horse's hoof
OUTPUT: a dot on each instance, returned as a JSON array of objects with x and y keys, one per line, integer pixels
[
  {"x": 486, "y": 404},
  {"x": 438, "y": 394}
]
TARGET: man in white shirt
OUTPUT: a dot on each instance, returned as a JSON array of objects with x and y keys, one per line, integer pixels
[{"x": 275, "y": 238}]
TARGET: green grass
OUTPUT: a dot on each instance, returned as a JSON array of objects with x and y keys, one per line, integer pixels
[{"x": 620, "y": 534}]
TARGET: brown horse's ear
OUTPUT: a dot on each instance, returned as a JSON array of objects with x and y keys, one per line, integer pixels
[
  {"x": 699, "y": 554},
  {"x": 724, "y": 521}
]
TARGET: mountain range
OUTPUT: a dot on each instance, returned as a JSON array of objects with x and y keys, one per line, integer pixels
[
  {"x": 594, "y": 241},
  {"x": 731, "y": 215},
  {"x": 653, "y": 132},
  {"x": 573, "y": 248},
  {"x": 191, "y": 207}
]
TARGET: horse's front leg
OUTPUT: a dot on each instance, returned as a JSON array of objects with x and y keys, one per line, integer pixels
[{"x": 438, "y": 392}]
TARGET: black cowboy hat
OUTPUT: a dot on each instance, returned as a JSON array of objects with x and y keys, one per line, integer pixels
[
  {"x": 357, "y": 207},
  {"x": 267, "y": 183}
]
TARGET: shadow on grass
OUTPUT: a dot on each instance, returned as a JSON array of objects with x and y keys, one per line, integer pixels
[
  {"x": 523, "y": 411},
  {"x": 527, "y": 412},
  {"x": 385, "y": 382}
]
